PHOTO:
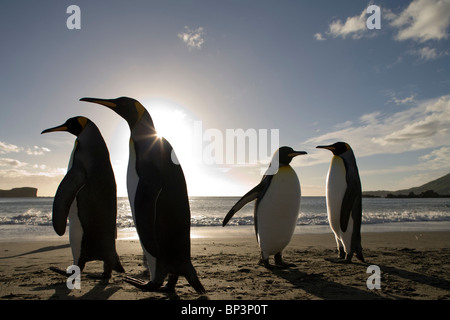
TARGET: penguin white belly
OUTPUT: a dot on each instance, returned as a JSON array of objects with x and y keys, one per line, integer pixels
[
  {"x": 132, "y": 183},
  {"x": 278, "y": 211},
  {"x": 75, "y": 232},
  {"x": 336, "y": 187},
  {"x": 132, "y": 178}
]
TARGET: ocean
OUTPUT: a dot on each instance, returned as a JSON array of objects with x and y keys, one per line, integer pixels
[{"x": 23, "y": 219}]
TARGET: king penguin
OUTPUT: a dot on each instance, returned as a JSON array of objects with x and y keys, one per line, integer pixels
[
  {"x": 158, "y": 198},
  {"x": 87, "y": 196},
  {"x": 344, "y": 201},
  {"x": 277, "y": 206}
]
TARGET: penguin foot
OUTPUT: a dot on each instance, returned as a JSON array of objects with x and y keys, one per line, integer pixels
[
  {"x": 342, "y": 257},
  {"x": 170, "y": 285},
  {"x": 265, "y": 263},
  {"x": 59, "y": 271},
  {"x": 280, "y": 263},
  {"x": 348, "y": 257},
  {"x": 341, "y": 253},
  {"x": 360, "y": 257},
  {"x": 284, "y": 265},
  {"x": 144, "y": 286},
  {"x": 103, "y": 276},
  {"x": 338, "y": 260},
  {"x": 167, "y": 289}
]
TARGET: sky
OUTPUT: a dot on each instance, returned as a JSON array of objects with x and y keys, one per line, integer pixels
[{"x": 294, "y": 73}]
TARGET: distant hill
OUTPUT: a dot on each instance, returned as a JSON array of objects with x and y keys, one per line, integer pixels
[
  {"x": 440, "y": 186},
  {"x": 25, "y": 192}
]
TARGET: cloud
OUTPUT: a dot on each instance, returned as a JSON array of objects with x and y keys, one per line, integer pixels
[
  {"x": 428, "y": 126},
  {"x": 404, "y": 100},
  {"x": 369, "y": 118},
  {"x": 319, "y": 37},
  {"x": 20, "y": 173},
  {"x": 429, "y": 167},
  {"x": 438, "y": 159},
  {"x": 345, "y": 124},
  {"x": 36, "y": 151},
  {"x": 194, "y": 39},
  {"x": 19, "y": 169},
  {"x": 6, "y": 162},
  {"x": 422, "y": 20},
  {"x": 8, "y": 148},
  {"x": 353, "y": 27},
  {"x": 427, "y": 53},
  {"x": 424, "y": 125}
]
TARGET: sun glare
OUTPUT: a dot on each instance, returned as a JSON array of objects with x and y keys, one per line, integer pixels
[
  {"x": 174, "y": 124},
  {"x": 170, "y": 124},
  {"x": 177, "y": 125}
]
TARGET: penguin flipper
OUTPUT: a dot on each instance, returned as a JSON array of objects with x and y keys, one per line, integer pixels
[
  {"x": 145, "y": 200},
  {"x": 348, "y": 203},
  {"x": 64, "y": 197},
  {"x": 59, "y": 271},
  {"x": 356, "y": 236},
  {"x": 249, "y": 196},
  {"x": 144, "y": 286}
]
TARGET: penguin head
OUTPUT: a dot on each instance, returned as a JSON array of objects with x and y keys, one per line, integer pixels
[
  {"x": 73, "y": 125},
  {"x": 128, "y": 108},
  {"x": 337, "y": 148},
  {"x": 286, "y": 154}
]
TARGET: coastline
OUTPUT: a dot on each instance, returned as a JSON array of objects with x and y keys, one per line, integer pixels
[
  {"x": 414, "y": 265},
  {"x": 20, "y": 233}
]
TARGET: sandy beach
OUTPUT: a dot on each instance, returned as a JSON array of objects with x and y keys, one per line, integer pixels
[{"x": 413, "y": 265}]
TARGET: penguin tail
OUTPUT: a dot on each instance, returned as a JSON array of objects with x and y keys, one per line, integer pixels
[
  {"x": 119, "y": 268},
  {"x": 196, "y": 284},
  {"x": 194, "y": 281}
]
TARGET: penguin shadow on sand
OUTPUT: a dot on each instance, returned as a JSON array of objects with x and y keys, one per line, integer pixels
[
  {"x": 416, "y": 277},
  {"x": 391, "y": 275},
  {"x": 101, "y": 287},
  {"x": 40, "y": 250},
  {"x": 101, "y": 290},
  {"x": 319, "y": 285}
]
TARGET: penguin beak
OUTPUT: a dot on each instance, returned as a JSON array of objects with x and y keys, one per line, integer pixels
[
  {"x": 331, "y": 148},
  {"x": 103, "y": 102},
  {"x": 296, "y": 153},
  {"x": 58, "y": 128}
]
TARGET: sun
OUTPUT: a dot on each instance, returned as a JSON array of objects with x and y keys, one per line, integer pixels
[
  {"x": 175, "y": 124},
  {"x": 179, "y": 126},
  {"x": 170, "y": 124}
]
